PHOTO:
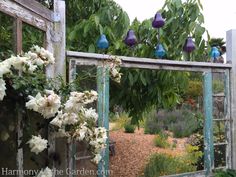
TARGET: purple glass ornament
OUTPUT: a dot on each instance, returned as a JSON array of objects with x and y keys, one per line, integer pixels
[
  {"x": 158, "y": 21},
  {"x": 189, "y": 45},
  {"x": 130, "y": 39}
]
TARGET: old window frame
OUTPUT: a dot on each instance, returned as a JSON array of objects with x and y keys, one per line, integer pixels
[{"x": 80, "y": 58}]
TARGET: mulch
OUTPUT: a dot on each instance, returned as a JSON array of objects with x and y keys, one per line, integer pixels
[{"x": 133, "y": 151}]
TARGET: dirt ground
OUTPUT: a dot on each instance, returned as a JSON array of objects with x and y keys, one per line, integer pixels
[{"x": 134, "y": 150}]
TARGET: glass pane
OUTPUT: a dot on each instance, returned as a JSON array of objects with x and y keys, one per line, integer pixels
[
  {"x": 85, "y": 80},
  {"x": 220, "y": 156},
  {"x": 219, "y": 131},
  {"x": 218, "y": 83},
  {"x": 32, "y": 36},
  {"x": 8, "y": 146},
  {"x": 218, "y": 107},
  {"x": 6, "y": 36},
  {"x": 37, "y": 127}
]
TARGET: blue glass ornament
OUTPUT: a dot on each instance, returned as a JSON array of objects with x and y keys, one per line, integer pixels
[
  {"x": 215, "y": 53},
  {"x": 160, "y": 51},
  {"x": 102, "y": 42}
]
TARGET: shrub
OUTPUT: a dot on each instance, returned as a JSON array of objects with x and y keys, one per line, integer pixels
[
  {"x": 194, "y": 89},
  {"x": 163, "y": 164},
  {"x": 151, "y": 123},
  {"x": 120, "y": 120},
  {"x": 161, "y": 141},
  {"x": 197, "y": 141},
  {"x": 182, "y": 122},
  {"x": 225, "y": 173},
  {"x": 129, "y": 128}
]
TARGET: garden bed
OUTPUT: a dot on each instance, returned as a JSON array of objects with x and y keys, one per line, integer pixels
[{"x": 134, "y": 150}]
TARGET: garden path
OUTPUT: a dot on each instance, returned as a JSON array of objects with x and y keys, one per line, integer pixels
[{"x": 134, "y": 150}]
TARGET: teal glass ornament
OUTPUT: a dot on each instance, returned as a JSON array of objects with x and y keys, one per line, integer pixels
[
  {"x": 102, "y": 42},
  {"x": 160, "y": 51},
  {"x": 215, "y": 53}
]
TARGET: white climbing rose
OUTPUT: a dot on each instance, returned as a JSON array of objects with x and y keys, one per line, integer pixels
[
  {"x": 4, "y": 68},
  {"x": 97, "y": 158},
  {"x": 2, "y": 89},
  {"x": 78, "y": 99},
  {"x": 37, "y": 144},
  {"x": 70, "y": 118},
  {"x": 90, "y": 113},
  {"x": 47, "y": 172},
  {"x": 47, "y": 105},
  {"x": 58, "y": 120}
]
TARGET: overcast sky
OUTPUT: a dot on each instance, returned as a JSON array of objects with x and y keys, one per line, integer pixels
[{"x": 220, "y": 15}]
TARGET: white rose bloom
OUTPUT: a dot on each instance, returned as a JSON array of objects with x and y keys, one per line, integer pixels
[
  {"x": 47, "y": 172},
  {"x": 46, "y": 57},
  {"x": 90, "y": 97},
  {"x": 74, "y": 104},
  {"x": 90, "y": 113},
  {"x": 97, "y": 158},
  {"x": 4, "y": 68},
  {"x": 2, "y": 89},
  {"x": 18, "y": 62},
  {"x": 81, "y": 132},
  {"x": 31, "y": 55},
  {"x": 31, "y": 67},
  {"x": 36, "y": 48},
  {"x": 58, "y": 120},
  {"x": 34, "y": 102},
  {"x": 114, "y": 72},
  {"x": 70, "y": 118},
  {"x": 48, "y": 105},
  {"x": 37, "y": 144}
]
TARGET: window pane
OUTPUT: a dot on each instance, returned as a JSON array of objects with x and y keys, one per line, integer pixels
[
  {"x": 32, "y": 36},
  {"x": 6, "y": 36}
]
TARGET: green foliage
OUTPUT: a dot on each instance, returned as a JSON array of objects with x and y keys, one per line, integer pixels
[
  {"x": 160, "y": 140},
  {"x": 160, "y": 88},
  {"x": 162, "y": 164},
  {"x": 225, "y": 173},
  {"x": 120, "y": 120},
  {"x": 194, "y": 89},
  {"x": 31, "y": 36},
  {"x": 218, "y": 86},
  {"x": 151, "y": 123},
  {"x": 218, "y": 42},
  {"x": 183, "y": 18},
  {"x": 129, "y": 128},
  {"x": 182, "y": 123},
  {"x": 86, "y": 20},
  {"x": 6, "y": 36}
]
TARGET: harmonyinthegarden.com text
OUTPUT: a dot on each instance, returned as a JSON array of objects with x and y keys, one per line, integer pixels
[{"x": 57, "y": 172}]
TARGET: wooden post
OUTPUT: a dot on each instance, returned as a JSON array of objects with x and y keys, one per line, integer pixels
[
  {"x": 208, "y": 124},
  {"x": 228, "y": 119},
  {"x": 59, "y": 37},
  {"x": 103, "y": 115},
  {"x": 19, "y": 154},
  {"x": 231, "y": 58},
  {"x": 17, "y": 37}
]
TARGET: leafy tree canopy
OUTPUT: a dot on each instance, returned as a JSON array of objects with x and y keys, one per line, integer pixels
[{"x": 140, "y": 89}]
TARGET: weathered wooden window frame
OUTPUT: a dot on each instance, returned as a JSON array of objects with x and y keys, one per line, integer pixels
[
  {"x": 52, "y": 23},
  {"x": 80, "y": 58}
]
